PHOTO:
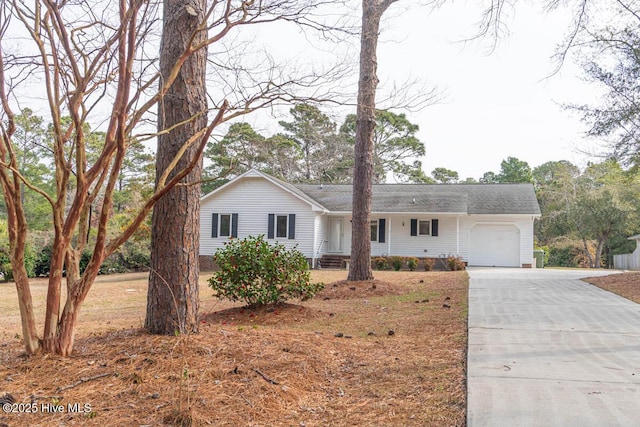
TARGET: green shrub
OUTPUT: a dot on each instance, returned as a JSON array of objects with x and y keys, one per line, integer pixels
[
  {"x": 132, "y": 256},
  {"x": 43, "y": 261},
  {"x": 565, "y": 252},
  {"x": 115, "y": 263},
  {"x": 137, "y": 257},
  {"x": 412, "y": 263},
  {"x": 259, "y": 273},
  {"x": 455, "y": 263},
  {"x": 381, "y": 263},
  {"x": 428, "y": 264},
  {"x": 30, "y": 259},
  {"x": 5, "y": 267},
  {"x": 396, "y": 262}
]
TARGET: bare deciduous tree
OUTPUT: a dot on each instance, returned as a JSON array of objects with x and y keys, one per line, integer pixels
[{"x": 92, "y": 63}]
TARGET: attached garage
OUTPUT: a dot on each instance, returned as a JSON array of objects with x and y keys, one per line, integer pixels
[
  {"x": 482, "y": 224},
  {"x": 494, "y": 245}
]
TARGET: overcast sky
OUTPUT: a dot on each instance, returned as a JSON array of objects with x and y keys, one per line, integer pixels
[{"x": 495, "y": 105}]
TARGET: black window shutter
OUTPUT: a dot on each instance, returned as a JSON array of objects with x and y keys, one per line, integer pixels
[
  {"x": 234, "y": 225},
  {"x": 292, "y": 226},
  {"x": 414, "y": 227},
  {"x": 271, "y": 226},
  {"x": 381, "y": 229},
  {"x": 434, "y": 227},
  {"x": 214, "y": 225}
]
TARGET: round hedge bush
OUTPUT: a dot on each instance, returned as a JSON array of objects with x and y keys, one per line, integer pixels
[{"x": 260, "y": 273}]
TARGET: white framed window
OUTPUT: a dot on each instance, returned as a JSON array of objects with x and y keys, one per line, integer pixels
[
  {"x": 225, "y": 225},
  {"x": 374, "y": 230},
  {"x": 281, "y": 226},
  {"x": 424, "y": 228}
]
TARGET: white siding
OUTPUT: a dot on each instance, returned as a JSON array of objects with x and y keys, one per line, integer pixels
[
  {"x": 452, "y": 239},
  {"x": 378, "y": 249},
  {"x": 320, "y": 235},
  {"x": 398, "y": 239},
  {"x": 253, "y": 199},
  {"x": 401, "y": 242},
  {"x": 346, "y": 240}
]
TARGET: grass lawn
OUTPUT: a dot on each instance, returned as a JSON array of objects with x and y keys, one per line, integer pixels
[{"x": 385, "y": 353}]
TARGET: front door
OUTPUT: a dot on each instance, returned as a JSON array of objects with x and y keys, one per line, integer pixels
[{"x": 335, "y": 235}]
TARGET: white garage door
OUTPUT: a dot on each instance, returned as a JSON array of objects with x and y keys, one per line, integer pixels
[{"x": 495, "y": 245}]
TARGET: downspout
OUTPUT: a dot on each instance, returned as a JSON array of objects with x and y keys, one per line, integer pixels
[
  {"x": 313, "y": 244},
  {"x": 315, "y": 241},
  {"x": 315, "y": 249}
]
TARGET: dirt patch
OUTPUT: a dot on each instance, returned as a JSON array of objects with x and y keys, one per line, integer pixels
[
  {"x": 278, "y": 314},
  {"x": 344, "y": 289},
  {"x": 386, "y": 360},
  {"x": 626, "y": 285}
]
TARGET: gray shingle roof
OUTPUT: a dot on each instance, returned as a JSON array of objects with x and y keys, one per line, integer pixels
[{"x": 501, "y": 199}]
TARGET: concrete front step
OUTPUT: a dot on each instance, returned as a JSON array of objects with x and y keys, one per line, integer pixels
[{"x": 332, "y": 262}]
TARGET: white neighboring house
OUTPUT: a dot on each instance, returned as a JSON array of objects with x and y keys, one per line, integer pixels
[
  {"x": 484, "y": 224},
  {"x": 629, "y": 261}
]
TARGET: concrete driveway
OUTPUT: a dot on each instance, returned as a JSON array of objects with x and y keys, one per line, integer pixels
[{"x": 547, "y": 349}]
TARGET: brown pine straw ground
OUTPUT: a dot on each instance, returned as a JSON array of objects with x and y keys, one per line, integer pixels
[
  {"x": 356, "y": 355},
  {"x": 626, "y": 285}
]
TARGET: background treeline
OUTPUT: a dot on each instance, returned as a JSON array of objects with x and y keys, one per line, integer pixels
[
  {"x": 35, "y": 159},
  {"x": 587, "y": 214}
]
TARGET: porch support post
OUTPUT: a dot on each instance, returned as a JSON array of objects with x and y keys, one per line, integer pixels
[
  {"x": 389, "y": 236},
  {"x": 458, "y": 235}
]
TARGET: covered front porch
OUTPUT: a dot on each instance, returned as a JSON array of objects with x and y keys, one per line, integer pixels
[{"x": 417, "y": 235}]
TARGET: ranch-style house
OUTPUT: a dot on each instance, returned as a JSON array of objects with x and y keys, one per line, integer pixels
[{"x": 483, "y": 224}]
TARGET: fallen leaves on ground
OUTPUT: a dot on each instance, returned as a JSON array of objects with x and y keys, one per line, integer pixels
[
  {"x": 396, "y": 357},
  {"x": 626, "y": 285}
]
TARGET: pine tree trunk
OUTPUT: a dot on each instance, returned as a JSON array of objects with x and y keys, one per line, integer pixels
[
  {"x": 172, "y": 301},
  {"x": 360, "y": 268}
]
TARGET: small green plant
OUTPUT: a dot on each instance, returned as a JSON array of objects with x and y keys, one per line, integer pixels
[
  {"x": 455, "y": 263},
  {"x": 396, "y": 262},
  {"x": 259, "y": 273},
  {"x": 5, "y": 261},
  {"x": 381, "y": 263},
  {"x": 412, "y": 263},
  {"x": 428, "y": 264}
]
